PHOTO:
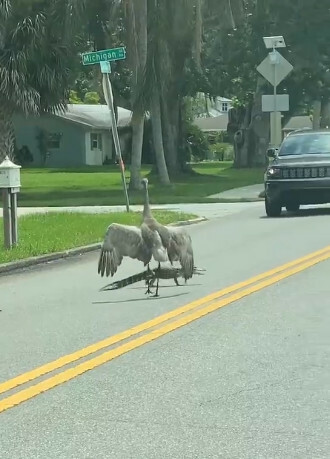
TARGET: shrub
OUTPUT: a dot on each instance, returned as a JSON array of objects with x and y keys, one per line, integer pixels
[
  {"x": 223, "y": 151},
  {"x": 197, "y": 143},
  {"x": 92, "y": 97},
  {"x": 22, "y": 156},
  {"x": 214, "y": 137}
]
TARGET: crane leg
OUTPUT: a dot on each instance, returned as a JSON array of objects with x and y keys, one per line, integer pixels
[
  {"x": 157, "y": 286},
  {"x": 148, "y": 282}
]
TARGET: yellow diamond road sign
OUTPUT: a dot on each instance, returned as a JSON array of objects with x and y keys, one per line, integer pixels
[{"x": 275, "y": 76}]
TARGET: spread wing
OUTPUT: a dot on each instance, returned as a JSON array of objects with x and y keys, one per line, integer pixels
[
  {"x": 121, "y": 241},
  {"x": 180, "y": 249}
]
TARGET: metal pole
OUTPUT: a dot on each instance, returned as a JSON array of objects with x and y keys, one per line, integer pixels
[
  {"x": 275, "y": 106},
  {"x": 274, "y": 123},
  {"x": 109, "y": 98},
  {"x": 7, "y": 218},
  {"x": 14, "y": 231}
]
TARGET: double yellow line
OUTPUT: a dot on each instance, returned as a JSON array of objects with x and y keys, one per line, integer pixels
[{"x": 155, "y": 328}]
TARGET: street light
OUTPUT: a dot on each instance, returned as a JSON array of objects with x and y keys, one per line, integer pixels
[{"x": 274, "y": 57}]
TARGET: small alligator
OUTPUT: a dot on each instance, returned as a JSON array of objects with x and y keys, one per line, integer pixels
[{"x": 150, "y": 276}]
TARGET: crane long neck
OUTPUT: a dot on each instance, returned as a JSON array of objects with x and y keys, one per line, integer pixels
[{"x": 146, "y": 208}]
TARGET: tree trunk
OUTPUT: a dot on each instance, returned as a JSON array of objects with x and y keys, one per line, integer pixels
[
  {"x": 236, "y": 10},
  {"x": 7, "y": 135},
  {"x": 316, "y": 114},
  {"x": 325, "y": 120},
  {"x": 156, "y": 122},
  {"x": 252, "y": 140},
  {"x": 170, "y": 124},
  {"x": 183, "y": 156},
  {"x": 137, "y": 143},
  {"x": 198, "y": 34},
  {"x": 231, "y": 16},
  {"x": 242, "y": 142},
  {"x": 261, "y": 129},
  {"x": 167, "y": 132},
  {"x": 138, "y": 60}
]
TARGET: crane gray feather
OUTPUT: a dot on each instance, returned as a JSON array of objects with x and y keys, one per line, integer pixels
[
  {"x": 180, "y": 249},
  {"x": 122, "y": 241}
]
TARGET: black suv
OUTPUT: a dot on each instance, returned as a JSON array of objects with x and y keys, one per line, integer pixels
[{"x": 299, "y": 173}]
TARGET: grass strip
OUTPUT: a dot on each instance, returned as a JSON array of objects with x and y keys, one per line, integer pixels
[
  {"x": 88, "y": 186},
  {"x": 42, "y": 234}
]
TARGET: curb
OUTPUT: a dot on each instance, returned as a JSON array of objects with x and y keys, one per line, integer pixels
[
  {"x": 236, "y": 200},
  {"x": 189, "y": 222},
  {"x": 33, "y": 261}
]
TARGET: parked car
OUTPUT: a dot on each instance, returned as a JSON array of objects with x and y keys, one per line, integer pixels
[{"x": 299, "y": 173}]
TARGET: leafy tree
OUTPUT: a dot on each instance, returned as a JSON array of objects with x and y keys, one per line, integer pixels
[
  {"x": 230, "y": 58},
  {"x": 38, "y": 41}
]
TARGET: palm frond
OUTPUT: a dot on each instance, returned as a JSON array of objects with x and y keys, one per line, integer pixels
[
  {"x": 39, "y": 43},
  {"x": 5, "y": 9},
  {"x": 27, "y": 32}
]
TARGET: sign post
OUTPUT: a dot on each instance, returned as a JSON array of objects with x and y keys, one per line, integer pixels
[
  {"x": 10, "y": 183},
  {"x": 274, "y": 68},
  {"x": 104, "y": 58},
  {"x": 7, "y": 220}
]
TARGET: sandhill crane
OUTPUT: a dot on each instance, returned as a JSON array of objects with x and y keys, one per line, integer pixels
[
  {"x": 151, "y": 240},
  {"x": 176, "y": 240},
  {"x": 130, "y": 241}
]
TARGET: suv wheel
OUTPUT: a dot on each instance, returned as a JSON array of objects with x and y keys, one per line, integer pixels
[
  {"x": 273, "y": 208},
  {"x": 292, "y": 207}
]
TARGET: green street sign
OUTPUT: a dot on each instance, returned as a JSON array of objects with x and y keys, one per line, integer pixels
[{"x": 115, "y": 54}]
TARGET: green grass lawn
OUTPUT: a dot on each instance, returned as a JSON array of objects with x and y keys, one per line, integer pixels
[
  {"x": 102, "y": 185},
  {"x": 48, "y": 233}
]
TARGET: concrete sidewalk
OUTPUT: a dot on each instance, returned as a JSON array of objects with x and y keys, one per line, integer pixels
[
  {"x": 232, "y": 201},
  {"x": 247, "y": 193}
]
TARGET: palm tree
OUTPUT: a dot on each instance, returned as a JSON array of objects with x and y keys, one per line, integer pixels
[
  {"x": 112, "y": 23},
  {"x": 178, "y": 29},
  {"x": 38, "y": 42},
  {"x": 137, "y": 14}
]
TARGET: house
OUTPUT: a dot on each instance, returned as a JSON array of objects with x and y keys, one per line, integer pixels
[
  {"x": 79, "y": 136},
  {"x": 206, "y": 107},
  {"x": 222, "y": 105},
  {"x": 212, "y": 124},
  {"x": 297, "y": 122},
  {"x": 213, "y": 113}
]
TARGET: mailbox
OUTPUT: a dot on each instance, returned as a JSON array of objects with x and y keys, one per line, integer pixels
[{"x": 10, "y": 174}]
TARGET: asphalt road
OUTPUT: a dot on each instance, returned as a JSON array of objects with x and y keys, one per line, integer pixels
[{"x": 249, "y": 380}]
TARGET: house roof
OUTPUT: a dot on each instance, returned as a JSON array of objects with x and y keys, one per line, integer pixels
[
  {"x": 219, "y": 123},
  {"x": 224, "y": 99},
  {"x": 95, "y": 116},
  {"x": 213, "y": 123},
  {"x": 298, "y": 122}
]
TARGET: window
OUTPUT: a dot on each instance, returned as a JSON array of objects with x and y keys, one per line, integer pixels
[
  {"x": 96, "y": 141},
  {"x": 54, "y": 140},
  {"x": 306, "y": 144},
  {"x": 225, "y": 106}
]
